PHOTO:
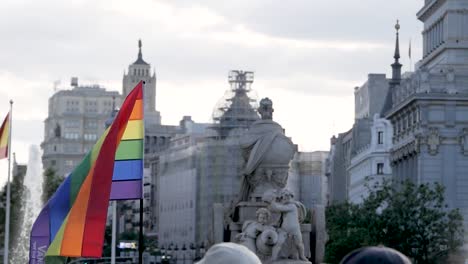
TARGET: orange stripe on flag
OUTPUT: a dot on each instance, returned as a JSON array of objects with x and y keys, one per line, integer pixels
[
  {"x": 137, "y": 113},
  {"x": 73, "y": 234}
]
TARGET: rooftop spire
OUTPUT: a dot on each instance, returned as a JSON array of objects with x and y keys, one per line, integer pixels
[
  {"x": 396, "y": 74},
  {"x": 140, "y": 55},
  {"x": 397, "y": 45},
  {"x": 396, "y": 66}
]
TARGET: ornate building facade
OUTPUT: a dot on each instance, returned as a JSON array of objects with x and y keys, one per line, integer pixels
[{"x": 429, "y": 110}]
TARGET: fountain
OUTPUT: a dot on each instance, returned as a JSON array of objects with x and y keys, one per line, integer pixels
[{"x": 31, "y": 205}]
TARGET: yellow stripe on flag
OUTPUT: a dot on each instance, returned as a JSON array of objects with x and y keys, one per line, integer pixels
[{"x": 134, "y": 130}]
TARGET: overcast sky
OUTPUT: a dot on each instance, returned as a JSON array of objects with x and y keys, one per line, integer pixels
[{"x": 307, "y": 55}]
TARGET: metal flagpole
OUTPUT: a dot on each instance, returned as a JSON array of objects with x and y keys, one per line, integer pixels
[
  {"x": 140, "y": 236},
  {"x": 140, "y": 240},
  {"x": 7, "y": 215},
  {"x": 114, "y": 231},
  {"x": 409, "y": 54},
  {"x": 113, "y": 203}
]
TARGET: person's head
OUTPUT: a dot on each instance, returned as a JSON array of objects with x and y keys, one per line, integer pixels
[
  {"x": 375, "y": 255},
  {"x": 229, "y": 253},
  {"x": 263, "y": 215}
]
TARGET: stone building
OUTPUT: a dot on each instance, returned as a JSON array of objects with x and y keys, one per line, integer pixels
[
  {"x": 76, "y": 119},
  {"x": 354, "y": 150},
  {"x": 371, "y": 163},
  {"x": 337, "y": 164},
  {"x": 307, "y": 178},
  {"x": 429, "y": 109},
  {"x": 201, "y": 167}
]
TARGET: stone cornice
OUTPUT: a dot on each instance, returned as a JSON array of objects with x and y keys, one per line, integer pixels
[
  {"x": 424, "y": 96},
  {"x": 406, "y": 150},
  {"x": 429, "y": 9}
]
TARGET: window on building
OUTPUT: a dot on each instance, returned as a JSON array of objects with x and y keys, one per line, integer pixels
[
  {"x": 380, "y": 137},
  {"x": 380, "y": 167}
]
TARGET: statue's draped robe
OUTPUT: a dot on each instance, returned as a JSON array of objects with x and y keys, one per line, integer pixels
[{"x": 256, "y": 144}]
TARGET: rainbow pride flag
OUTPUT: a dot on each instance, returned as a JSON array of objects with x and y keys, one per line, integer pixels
[
  {"x": 72, "y": 223},
  {"x": 128, "y": 167},
  {"x": 4, "y": 135}
]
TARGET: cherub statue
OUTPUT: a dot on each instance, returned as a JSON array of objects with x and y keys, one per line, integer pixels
[
  {"x": 251, "y": 229},
  {"x": 292, "y": 214}
]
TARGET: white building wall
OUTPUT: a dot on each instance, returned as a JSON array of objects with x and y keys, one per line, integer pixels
[{"x": 363, "y": 168}]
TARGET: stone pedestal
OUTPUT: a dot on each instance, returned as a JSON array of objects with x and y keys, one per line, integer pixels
[
  {"x": 319, "y": 232},
  {"x": 218, "y": 222}
]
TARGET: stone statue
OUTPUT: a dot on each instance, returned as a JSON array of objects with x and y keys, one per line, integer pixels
[
  {"x": 292, "y": 214},
  {"x": 267, "y": 152},
  {"x": 252, "y": 229}
]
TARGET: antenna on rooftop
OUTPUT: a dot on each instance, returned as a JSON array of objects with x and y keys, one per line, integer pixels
[{"x": 56, "y": 85}]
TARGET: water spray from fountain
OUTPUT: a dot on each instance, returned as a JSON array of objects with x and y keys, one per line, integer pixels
[{"x": 31, "y": 204}]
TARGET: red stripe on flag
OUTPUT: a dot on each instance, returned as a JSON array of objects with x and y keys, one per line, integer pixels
[{"x": 95, "y": 222}]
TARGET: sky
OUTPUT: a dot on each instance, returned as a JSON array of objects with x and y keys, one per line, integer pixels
[{"x": 307, "y": 55}]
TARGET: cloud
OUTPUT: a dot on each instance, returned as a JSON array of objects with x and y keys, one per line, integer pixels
[{"x": 307, "y": 55}]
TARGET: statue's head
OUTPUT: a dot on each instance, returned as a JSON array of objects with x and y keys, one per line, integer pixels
[
  {"x": 266, "y": 109},
  {"x": 286, "y": 195},
  {"x": 263, "y": 215}
]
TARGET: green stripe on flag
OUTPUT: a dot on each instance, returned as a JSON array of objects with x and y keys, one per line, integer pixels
[
  {"x": 78, "y": 176},
  {"x": 129, "y": 150}
]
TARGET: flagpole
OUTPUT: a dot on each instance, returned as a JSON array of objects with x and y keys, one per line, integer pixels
[
  {"x": 113, "y": 203},
  {"x": 409, "y": 54},
  {"x": 140, "y": 240},
  {"x": 7, "y": 215},
  {"x": 140, "y": 235},
  {"x": 114, "y": 231}
]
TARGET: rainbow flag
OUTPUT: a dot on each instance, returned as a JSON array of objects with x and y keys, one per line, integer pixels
[
  {"x": 128, "y": 167},
  {"x": 4, "y": 135},
  {"x": 72, "y": 223}
]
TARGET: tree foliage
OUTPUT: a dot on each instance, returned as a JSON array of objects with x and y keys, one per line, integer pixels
[
  {"x": 16, "y": 214},
  {"x": 50, "y": 184},
  {"x": 413, "y": 219}
]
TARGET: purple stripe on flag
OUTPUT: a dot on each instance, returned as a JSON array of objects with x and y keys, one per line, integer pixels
[
  {"x": 40, "y": 236},
  {"x": 126, "y": 190}
]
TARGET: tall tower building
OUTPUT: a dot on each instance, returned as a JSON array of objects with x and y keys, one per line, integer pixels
[
  {"x": 445, "y": 34},
  {"x": 138, "y": 71}
]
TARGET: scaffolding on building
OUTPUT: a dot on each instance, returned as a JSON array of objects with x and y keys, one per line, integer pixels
[{"x": 236, "y": 110}]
